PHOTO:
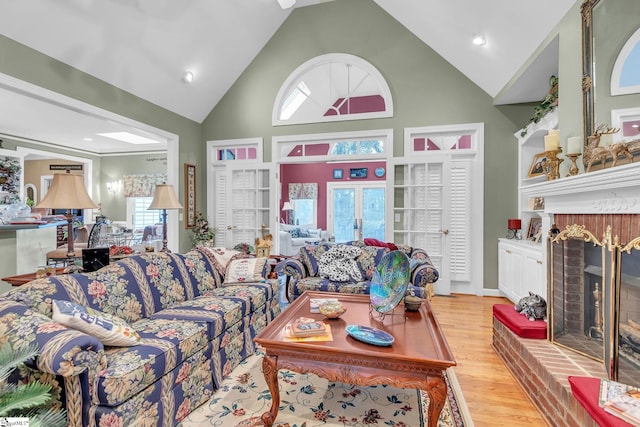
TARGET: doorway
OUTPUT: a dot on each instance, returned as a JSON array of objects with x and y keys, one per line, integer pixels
[{"x": 356, "y": 210}]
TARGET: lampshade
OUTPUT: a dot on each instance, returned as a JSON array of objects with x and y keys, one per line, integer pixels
[
  {"x": 164, "y": 198},
  {"x": 287, "y": 207},
  {"x": 67, "y": 191}
]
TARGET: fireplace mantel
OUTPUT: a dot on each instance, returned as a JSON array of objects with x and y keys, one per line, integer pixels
[{"x": 615, "y": 190}]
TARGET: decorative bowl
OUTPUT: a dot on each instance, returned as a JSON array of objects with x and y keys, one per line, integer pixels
[
  {"x": 412, "y": 303},
  {"x": 332, "y": 310}
]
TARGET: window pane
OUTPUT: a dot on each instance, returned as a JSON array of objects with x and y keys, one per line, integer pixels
[
  {"x": 304, "y": 211},
  {"x": 343, "y": 214},
  {"x": 373, "y": 210}
]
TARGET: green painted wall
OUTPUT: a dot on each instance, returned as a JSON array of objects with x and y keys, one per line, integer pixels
[
  {"x": 426, "y": 90},
  {"x": 29, "y": 65}
]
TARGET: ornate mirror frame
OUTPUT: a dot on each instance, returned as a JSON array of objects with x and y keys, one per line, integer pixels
[{"x": 586, "y": 11}]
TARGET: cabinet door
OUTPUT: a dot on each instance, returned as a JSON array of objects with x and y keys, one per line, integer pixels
[
  {"x": 533, "y": 278},
  {"x": 510, "y": 271}
]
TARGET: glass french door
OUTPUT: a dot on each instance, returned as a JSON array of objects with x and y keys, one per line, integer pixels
[{"x": 356, "y": 211}]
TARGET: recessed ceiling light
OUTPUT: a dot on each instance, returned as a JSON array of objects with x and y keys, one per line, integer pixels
[
  {"x": 187, "y": 77},
  {"x": 286, "y": 4},
  {"x": 87, "y": 139},
  {"x": 129, "y": 137},
  {"x": 479, "y": 40}
]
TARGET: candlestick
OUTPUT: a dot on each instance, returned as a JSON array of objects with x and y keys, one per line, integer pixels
[
  {"x": 573, "y": 169},
  {"x": 574, "y": 145},
  {"x": 551, "y": 165}
]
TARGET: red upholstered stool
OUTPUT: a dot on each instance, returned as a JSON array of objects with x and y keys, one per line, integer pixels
[
  {"x": 518, "y": 323},
  {"x": 586, "y": 390}
]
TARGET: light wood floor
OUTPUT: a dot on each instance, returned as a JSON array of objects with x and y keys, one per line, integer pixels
[{"x": 492, "y": 394}]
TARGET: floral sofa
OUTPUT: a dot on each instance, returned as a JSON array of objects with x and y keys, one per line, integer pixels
[
  {"x": 305, "y": 272},
  {"x": 193, "y": 329}
]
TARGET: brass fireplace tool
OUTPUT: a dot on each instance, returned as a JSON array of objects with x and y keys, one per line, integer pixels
[{"x": 596, "y": 330}]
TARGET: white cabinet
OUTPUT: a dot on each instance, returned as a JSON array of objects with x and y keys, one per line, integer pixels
[{"x": 520, "y": 269}]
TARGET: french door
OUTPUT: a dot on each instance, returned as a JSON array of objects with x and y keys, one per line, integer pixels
[{"x": 356, "y": 210}]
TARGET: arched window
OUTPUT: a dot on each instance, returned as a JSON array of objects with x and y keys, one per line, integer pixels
[
  {"x": 332, "y": 87},
  {"x": 625, "y": 77}
]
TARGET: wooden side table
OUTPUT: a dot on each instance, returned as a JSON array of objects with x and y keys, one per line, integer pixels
[{"x": 21, "y": 279}]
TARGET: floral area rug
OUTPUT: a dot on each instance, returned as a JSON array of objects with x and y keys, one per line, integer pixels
[{"x": 307, "y": 400}]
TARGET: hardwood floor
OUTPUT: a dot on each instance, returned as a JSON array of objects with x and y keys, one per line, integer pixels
[{"x": 491, "y": 392}]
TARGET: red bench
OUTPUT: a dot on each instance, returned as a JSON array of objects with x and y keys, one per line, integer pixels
[
  {"x": 586, "y": 390},
  {"x": 518, "y": 323}
]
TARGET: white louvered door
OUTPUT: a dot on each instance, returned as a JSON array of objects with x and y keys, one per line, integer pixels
[
  {"x": 438, "y": 202},
  {"x": 421, "y": 217}
]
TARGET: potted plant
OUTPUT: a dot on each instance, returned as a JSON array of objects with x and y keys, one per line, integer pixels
[
  {"x": 25, "y": 400},
  {"x": 203, "y": 235}
]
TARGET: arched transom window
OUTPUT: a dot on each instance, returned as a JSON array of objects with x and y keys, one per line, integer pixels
[{"x": 332, "y": 87}]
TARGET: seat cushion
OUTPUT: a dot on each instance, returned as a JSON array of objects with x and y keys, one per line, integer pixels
[
  {"x": 164, "y": 345},
  {"x": 519, "y": 324},
  {"x": 586, "y": 390}
]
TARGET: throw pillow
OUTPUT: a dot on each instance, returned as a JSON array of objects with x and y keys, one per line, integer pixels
[
  {"x": 221, "y": 257},
  {"x": 338, "y": 264},
  {"x": 315, "y": 232},
  {"x": 245, "y": 270},
  {"x": 109, "y": 329},
  {"x": 303, "y": 232}
]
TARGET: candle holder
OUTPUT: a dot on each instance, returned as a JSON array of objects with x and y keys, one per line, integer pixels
[
  {"x": 551, "y": 165},
  {"x": 573, "y": 169}
]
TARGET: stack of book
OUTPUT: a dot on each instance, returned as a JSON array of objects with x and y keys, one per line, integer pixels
[
  {"x": 305, "y": 327},
  {"x": 621, "y": 400}
]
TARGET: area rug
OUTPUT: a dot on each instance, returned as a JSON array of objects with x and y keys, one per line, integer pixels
[{"x": 307, "y": 400}]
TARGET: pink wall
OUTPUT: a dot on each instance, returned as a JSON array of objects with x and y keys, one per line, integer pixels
[{"x": 322, "y": 173}]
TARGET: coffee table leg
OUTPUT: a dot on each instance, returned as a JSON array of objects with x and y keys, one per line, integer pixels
[
  {"x": 437, "y": 391},
  {"x": 270, "y": 370}
]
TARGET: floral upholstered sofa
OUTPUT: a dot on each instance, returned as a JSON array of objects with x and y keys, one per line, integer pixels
[
  {"x": 309, "y": 270},
  {"x": 190, "y": 329}
]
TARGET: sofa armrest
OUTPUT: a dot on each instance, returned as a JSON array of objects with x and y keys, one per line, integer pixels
[
  {"x": 423, "y": 271},
  {"x": 292, "y": 267},
  {"x": 61, "y": 351}
]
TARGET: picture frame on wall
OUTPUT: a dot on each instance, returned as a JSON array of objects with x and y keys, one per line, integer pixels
[
  {"x": 337, "y": 174},
  {"x": 537, "y": 165},
  {"x": 189, "y": 195}
]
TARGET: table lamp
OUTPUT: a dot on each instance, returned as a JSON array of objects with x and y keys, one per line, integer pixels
[
  {"x": 67, "y": 191},
  {"x": 287, "y": 208},
  {"x": 164, "y": 198}
]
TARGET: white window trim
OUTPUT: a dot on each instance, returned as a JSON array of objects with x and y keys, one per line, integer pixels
[
  {"x": 282, "y": 143},
  {"x": 293, "y": 78}
]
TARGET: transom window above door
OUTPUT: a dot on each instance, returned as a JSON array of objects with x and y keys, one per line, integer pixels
[{"x": 332, "y": 87}]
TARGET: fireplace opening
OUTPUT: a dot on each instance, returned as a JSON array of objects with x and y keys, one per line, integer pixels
[{"x": 594, "y": 299}]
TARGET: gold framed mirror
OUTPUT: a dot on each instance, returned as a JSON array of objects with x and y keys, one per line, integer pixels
[{"x": 608, "y": 27}]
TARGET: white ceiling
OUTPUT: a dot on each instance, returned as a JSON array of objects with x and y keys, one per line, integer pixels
[{"x": 144, "y": 47}]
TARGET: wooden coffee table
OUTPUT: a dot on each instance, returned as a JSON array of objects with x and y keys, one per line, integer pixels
[{"x": 417, "y": 358}]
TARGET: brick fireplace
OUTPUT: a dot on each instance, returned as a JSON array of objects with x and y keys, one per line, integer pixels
[{"x": 597, "y": 200}]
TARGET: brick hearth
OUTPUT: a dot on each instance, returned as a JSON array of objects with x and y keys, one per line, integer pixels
[{"x": 542, "y": 369}]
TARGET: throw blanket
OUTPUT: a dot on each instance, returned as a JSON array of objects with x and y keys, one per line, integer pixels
[{"x": 338, "y": 264}]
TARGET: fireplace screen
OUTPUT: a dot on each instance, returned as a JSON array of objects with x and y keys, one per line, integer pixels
[{"x": 594, "y": 299}]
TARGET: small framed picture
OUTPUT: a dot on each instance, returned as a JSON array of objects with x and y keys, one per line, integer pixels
[
  {"x": 337, "y": 174},
  {"x": 535, "y": 229},
  {"x": 537, "y": 165}
]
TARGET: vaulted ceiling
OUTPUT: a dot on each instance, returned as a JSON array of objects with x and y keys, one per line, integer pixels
[{"x": 145, "y": 46}]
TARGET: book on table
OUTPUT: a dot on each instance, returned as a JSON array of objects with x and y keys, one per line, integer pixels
[
  {"x": 621, "y": 400},
  {"x": 306, "y": 327}
]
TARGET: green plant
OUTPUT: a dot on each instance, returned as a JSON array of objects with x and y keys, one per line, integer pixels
[
  {"x": 201, "y": 231},
  {"x": 547, "y": 104},
  {"x": 25, "y": 400}
]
